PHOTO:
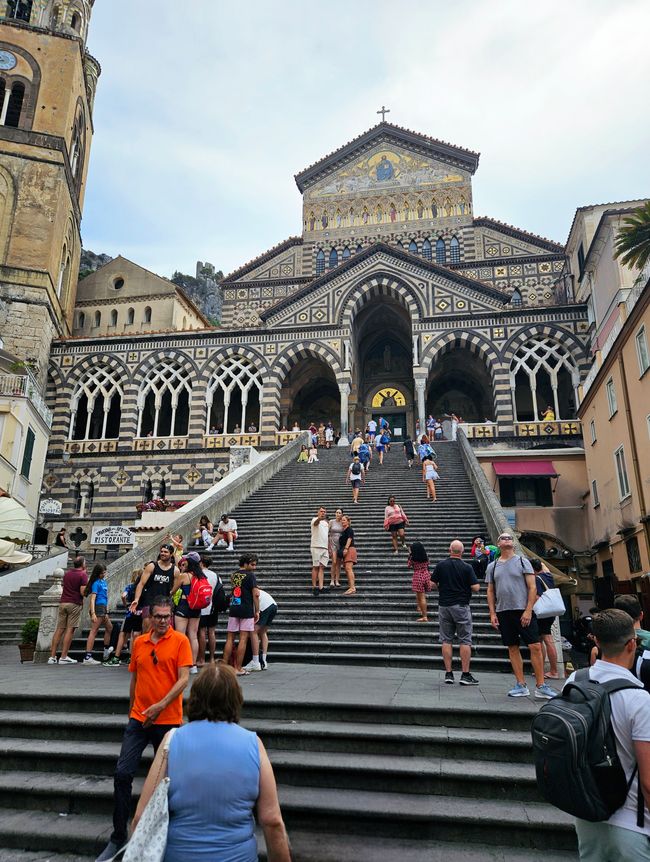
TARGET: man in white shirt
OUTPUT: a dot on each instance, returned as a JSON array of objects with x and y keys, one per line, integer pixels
[
  {"x": 372, "y": 429},
  {"x": 227, "y": 531},
  {"x": 208, "y": 618},
  {"x": 621, "y": 839},
  {"x": 319, "y": 546}
]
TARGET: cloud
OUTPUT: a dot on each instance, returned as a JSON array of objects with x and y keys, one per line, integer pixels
[{"x": 205, "y": 111}]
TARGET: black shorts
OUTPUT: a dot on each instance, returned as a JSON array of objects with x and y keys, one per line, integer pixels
[
  {"x": 512, "y": 630},
  {"x": 132, "y": 624},
  {"x": 184, "y": 611},
  {"x": 544, "y": 626},
  {"x": 208, "y": 621},
  {"x": 395, "y": 527},
  {"x": 267, "y": 616}
]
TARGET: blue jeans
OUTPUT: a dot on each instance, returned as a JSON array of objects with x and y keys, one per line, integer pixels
[{"x": 136, "y": 739}]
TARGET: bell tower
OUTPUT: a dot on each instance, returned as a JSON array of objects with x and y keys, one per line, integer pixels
[{"x": 47, "y": 89}]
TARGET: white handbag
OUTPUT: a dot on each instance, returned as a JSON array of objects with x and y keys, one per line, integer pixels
[
  {"x": 148, "y": 842},
  {"x": 549, "y": 604}
]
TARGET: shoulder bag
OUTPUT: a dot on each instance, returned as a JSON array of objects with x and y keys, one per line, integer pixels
[{"x": 549, "y": 604}]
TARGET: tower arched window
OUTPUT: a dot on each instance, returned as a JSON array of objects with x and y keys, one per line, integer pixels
[
  {"x": 334, "y": 258},
  {"x": 20, "y": 10},
  {"x": 62, "y": 270},
  {"x": 75, "y": 22},
  {"x": 96, "y": 407},
  {"x": 320, "y": 261},
  {"x": 147, "y": 315},
  {"x": 426, "y": 250},
  {"x": 413, "y": 247},
  {"x": 164, "y": 401},
  {"x": 130, "y": 316},
  {"x": 114, "y": 317},
  {"x": 441, "y": 251},
  {"x": 454, "y": 250},
  {"x": 76, "y": 498},
  {"x": 15, "y": 104},
  {"x": 234, "y": 396},
  {"x": 98, "y": 318},
  {"x": 359, "y": 248},
  {"x": 346, "y": 253},
  {"x": 81, "y": 320},
  {"x": 543, "y": 374}
]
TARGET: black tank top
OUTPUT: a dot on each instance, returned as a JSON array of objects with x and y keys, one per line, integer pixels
[{"x": 159, "y": 584}]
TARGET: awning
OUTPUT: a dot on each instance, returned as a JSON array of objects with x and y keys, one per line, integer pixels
[
  {"x": 10, "y": 554},
  {"x": 510, "y": 469},
  {"x": 16, "y": 524}
]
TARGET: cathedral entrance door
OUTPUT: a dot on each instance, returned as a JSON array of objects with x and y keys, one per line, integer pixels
[{"x": 397, "y": 422}]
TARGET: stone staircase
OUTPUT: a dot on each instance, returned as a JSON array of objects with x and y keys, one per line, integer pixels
[
  {"x": 19, "y": 606},
  {"x": 375, "y": 758}
]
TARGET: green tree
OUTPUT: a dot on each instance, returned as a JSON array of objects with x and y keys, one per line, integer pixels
[{"x": 633, "y": 239}]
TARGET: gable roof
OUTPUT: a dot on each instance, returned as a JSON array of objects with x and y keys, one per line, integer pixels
[
  {"x": 518, "y": 233},
  {"x": 263, "y": 258},
  {"x": 387, "y": 132},
  {"x": 398, "y": 253}
]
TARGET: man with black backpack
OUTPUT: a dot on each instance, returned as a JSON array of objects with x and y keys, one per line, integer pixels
[{"x": 592, "y": 749}]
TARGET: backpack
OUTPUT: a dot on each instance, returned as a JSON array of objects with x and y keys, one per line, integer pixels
[
  {"x": 220, "y": 601},
  {"x": 578, "y": 769},
  {"x": 356, "y": 469},
  {"x": 364, "y": 452},
  {"x": 200, "y": 595}
]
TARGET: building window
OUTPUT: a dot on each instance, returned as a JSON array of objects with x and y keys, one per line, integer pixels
[
  {"x": 642, "y": 351},
  {"x": 592, "y": 431},
  {"x": 359, "y": 248},
  {"x": 334, "y": 258},
  {"x": 621, "y": 473},
  {"x": 454, "y": 250},
  {"x": 441, "y": 251},
  {"x": 98, "y": 318},
  {"x": 118, "y": 284},
  {"x": 526, "y": 492},
  {"x": 95, "y": 409},
  {"x": 130, "y": 317},
  {"x": 543, "y": 374},
  {"x": 346, "y": 253},
  {"x": 75, "y": 23},
  {"x": 234, "y": 397},
  {"x": 515, "y": 299},
  {"x": 426, "y": 250},
  {"x": 581, "y": 260},
  {"x": 28, "y": 453},
  {"x": 76, "y": 498},
  {"x": 594, "y": 494},
  {"x": 21, "y": 10},
  {"x": 320, "y": 262},
  {"x": 611, "y": 397},
  {"x": 413, "y": 247},
  {"x": 81, "y": 320},
  {"x": 147, "y": 315},
  {"x": 633, "y": 554},
  {"x": 164, "y": 401},
  {"x": 90, "y": 497},
  {"x": 15, "y": 105},
  {"x": 114, "y": 317},
  {"x": 147, "y": 492}
]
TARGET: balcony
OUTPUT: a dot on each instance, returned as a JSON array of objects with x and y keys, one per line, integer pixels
[{"x": 24, "y": 386}]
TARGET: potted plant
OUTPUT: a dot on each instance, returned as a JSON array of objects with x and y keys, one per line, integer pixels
[{"x": 28, "y": 636}]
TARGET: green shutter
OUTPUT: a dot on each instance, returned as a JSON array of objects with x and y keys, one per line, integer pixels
[{"x": 27, "y": 454}]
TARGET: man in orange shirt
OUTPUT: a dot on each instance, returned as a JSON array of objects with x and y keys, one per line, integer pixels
[{"x": 160, "y": 669}]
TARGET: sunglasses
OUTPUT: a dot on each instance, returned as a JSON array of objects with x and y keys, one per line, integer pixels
[
  {"x": 162, "y": 617},
  {"x": 505, "y": 538},
  {"x": 154, "y": 657}
]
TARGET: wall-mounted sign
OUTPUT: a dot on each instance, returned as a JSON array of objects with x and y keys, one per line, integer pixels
[
  {"x": 49, "y": 506},
  {"x": 111, "y": 536}
]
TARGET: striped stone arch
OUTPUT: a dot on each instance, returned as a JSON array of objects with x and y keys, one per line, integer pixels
[
  {"x": 304, "y": 350},
  {"x": 476, "y": 344},
  {"x": 225, "y": 352},
  {"x": 153, "y": 359},
  {"x": 574, "y": 344},
  {"x": 381, "y": 284},
  {"x": 78, "y": 371}
]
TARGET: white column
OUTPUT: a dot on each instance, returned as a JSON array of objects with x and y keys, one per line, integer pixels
[
  {"x": 5, "y": 106},
  {"x": 344, "y": 391},
  {"x": 533, "y": 394},
  {"x": 244, "y": 402},
  {"x": 416, "y": 350},
  {"x": 420, "y": 385},
  {"x": 346, "y": 349}
]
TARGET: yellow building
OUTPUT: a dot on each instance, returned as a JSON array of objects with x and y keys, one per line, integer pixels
[{"x": 123, "y": 298}]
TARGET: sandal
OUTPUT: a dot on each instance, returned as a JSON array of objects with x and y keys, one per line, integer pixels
[
  {"x": 242, "y": 673},
  {"x": 422, "y": 620},
  {"x": 349, "y": 593}
]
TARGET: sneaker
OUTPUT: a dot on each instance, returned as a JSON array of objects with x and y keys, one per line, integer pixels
[
  {"x": 468, "y": 679},
  {"x": 107, "y": 653},
  {"x": 113, "y": 661},
  {"x": 67, "y": 660},
  {"x": 520, "y": 690},
  {"x": 545, "y": 692},
  {"x": 264, "y": 664},
  {"x": 315, "y": 592},
  {"x": 230, "y": 548},
  {"x": 253, "y": 665},
  {"x": 52, "y": 660},
  {"x": 449, "y": 678},
  {"x": 91, "y": 660},
  {"x": 194, "y": 669},
  {"x": 108, "y": 852}
]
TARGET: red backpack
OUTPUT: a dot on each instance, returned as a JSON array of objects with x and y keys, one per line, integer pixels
[{"x": 200, "y": 594}]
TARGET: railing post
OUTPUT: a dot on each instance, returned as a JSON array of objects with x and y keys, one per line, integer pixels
[{"x": 49, "y": 602}]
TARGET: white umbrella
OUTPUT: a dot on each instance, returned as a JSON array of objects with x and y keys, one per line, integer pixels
[
  {"x": 9, "y": 553},
  {"x": 16, "y": 524}
]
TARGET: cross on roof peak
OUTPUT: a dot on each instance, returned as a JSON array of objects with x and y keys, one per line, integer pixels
[{"x": 383, "y": 111}]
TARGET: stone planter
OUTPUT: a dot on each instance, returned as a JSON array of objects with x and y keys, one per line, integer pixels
[{"x": 155, "y": 520}]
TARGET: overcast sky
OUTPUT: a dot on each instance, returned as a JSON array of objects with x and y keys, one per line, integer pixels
[{"x": 206, "y": 109}]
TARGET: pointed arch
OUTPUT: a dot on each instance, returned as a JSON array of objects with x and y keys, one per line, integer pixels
[
  {"x": 381, "y": 284},
  {"x": 426, "y": 249},
  {"x": 302, "y": 350},
  {"x": 346, "y": 253},
  {"x": 476, "y": 344},
  {"x": 543, "y": 366},
  {"x": 333, "y": 258},
  {"x": 413, "y": 247},
  {"x": 95, "y": 407},
  {"x": 234, "y": 396},
  {"x": 164, "y": 400},
  {"x": 454, "y": 250},
  {"x": 441, "y": 251},
  {"x": 320, "y": 262}
]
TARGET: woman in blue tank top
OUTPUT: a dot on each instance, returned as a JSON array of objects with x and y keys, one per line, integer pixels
[{"x": 217, "y": 773}]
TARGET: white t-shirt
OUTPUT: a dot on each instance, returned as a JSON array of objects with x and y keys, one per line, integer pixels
[
  {"x": 372, "y": 426},
  {"x": 212, "y": 578},
  {"x": 229, "y": 526},
  {"x": 319, "y": 533},
  {"x": 630, "y": 722},
  {"x": 266, "y": 599},
  {"x": 356, "y": 477},
  {"x": 329, "y": 434}
]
